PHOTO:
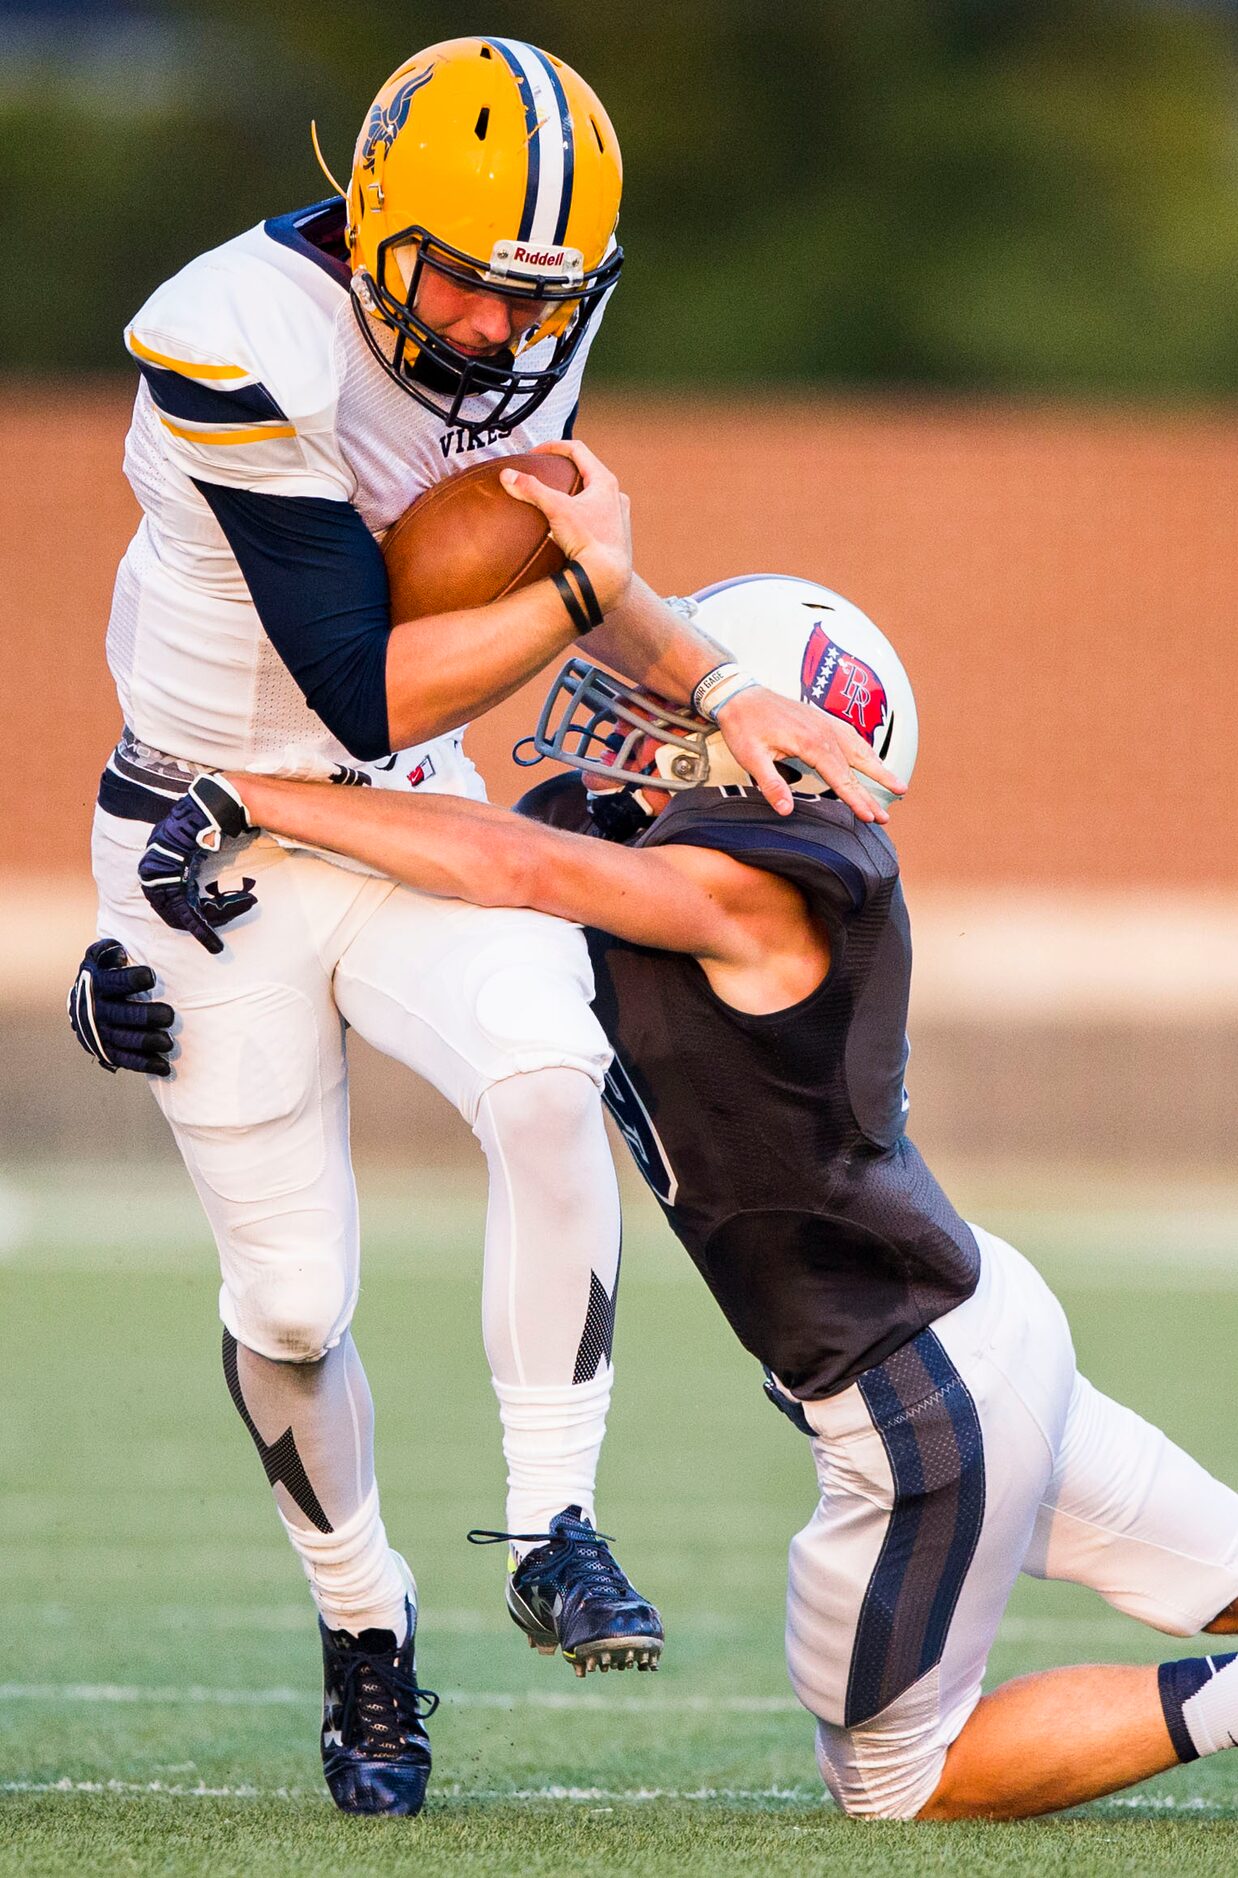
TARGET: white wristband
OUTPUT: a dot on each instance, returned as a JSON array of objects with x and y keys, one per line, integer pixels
[{"x": 718, "y": 687}]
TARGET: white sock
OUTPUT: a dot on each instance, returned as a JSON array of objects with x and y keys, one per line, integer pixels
[
  {"x": 355, "y": 1579},
  {"x": 548, "y": 1294},
  {"x": 552, "y": 1438},
  {"x": 1199, "y": 1695}
]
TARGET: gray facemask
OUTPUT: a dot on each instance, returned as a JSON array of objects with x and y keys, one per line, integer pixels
[{"x": 595, "y": 723}]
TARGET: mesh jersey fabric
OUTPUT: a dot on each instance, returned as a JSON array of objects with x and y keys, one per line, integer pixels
[{"x": 777, "y": 1144}]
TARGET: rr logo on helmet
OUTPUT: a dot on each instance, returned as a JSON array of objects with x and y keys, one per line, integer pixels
[
  {"x": 387, "y": 121},
  {"x": 842, "y": 685}
]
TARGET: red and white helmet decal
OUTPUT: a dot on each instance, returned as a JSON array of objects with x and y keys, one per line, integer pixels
[{"x": 843, "y": 685}]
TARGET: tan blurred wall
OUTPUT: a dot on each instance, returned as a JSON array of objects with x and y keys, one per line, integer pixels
[{"x": 1063, "y": 588}]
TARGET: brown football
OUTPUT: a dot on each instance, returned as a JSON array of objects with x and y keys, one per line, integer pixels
[{"x": 466, "y": 542}]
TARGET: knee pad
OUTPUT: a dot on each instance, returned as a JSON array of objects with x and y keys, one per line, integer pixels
[
  {"x": 549, "y": 1120},
  {"x": 292, "y": 1311},
  {"x": 543, "y": 1107}
]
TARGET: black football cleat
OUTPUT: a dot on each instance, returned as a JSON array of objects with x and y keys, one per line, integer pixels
[
  {"x": 571, "y": 1594},
  {"x": 375, "y": 1749}
]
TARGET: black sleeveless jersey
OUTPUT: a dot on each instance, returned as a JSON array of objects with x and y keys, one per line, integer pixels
[{"x": 776, "y": 1144}]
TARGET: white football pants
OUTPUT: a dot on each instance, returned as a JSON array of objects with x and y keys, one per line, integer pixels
[
  {"x": 491, "y": 1006},
  {"x": 975, "y": 1452}
]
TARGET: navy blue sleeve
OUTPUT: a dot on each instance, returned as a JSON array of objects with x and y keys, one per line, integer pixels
[{"x": 317, "y": 578}]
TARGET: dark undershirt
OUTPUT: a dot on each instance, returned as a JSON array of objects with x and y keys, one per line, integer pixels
[{"x": 317, "y": 578}]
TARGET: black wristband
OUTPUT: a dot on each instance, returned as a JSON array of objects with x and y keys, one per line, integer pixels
[
  {"x": 575, "y": 610},
  {"x": 220, "y": 802},
  {"x": 587, "y": 593}
]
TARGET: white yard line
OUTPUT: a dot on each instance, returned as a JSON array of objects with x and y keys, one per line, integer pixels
[
  {"x": 197, "y": 1695},
  {"x": 457, "y": 1619},
  {"x": 170, "y": 1789},
  {"x": 807, "y": 1797},
  {"x": 261, "y": 1617},
  {"x": 200, "y": 1790}
]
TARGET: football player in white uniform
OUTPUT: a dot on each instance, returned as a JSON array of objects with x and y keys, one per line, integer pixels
[
  {"x": 301, "y": 385},
  {"x": 752, "y": 976}
]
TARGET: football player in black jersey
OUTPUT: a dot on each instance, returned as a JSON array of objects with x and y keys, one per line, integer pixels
[{"x": 752, "y": 975}]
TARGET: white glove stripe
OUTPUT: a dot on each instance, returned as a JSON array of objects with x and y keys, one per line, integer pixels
[{"x": 86, "y": 1015}]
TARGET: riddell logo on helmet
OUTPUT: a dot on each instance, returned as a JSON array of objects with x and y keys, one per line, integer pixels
[
  {"x": 842, "y": 685},
  {"x": 517, "y": 257},
  {"x": 540, "y": 257}
]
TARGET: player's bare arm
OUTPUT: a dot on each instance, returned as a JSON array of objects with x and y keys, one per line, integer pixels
[
  {"x": 666, "y": 654},
  {"x": 752, "y": 931},
  {"x": 453, "y": 666}
]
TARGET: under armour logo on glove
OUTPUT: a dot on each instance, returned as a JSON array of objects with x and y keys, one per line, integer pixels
[
  {"x": 209, "y": 813},
  {"x": 111, "y": 1018}
]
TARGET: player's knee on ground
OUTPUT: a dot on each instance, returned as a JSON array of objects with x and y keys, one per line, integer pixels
[
  {"x": 888, "y": 1771},
  {"x": 885, "y": 1768}
]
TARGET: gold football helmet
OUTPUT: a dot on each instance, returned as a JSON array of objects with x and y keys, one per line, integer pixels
[{"x": 493, "y": 164}]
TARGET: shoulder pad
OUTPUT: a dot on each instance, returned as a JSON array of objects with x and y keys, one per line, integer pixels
[
  {"x": 248, "y": 313},
  {"x": 237, "y": 351},
  {"x": 821, "y": 846}
]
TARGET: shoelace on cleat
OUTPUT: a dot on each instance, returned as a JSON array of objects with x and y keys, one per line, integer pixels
[
  {"x": 599, "y": 1569},
  {"x": 378, "y": 1695}
]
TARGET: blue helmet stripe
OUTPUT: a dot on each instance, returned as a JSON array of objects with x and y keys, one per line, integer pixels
[
  {"x": 531, "y": 141},
  {"x": 569, "y": 146}
]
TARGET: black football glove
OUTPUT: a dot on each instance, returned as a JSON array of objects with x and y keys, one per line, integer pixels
[
  {"x": 111, "y": 1018},
  {"x": 209, "y": 813}
]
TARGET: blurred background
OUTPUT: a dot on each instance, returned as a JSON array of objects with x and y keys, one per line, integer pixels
[{"x": 932, "y": 300}]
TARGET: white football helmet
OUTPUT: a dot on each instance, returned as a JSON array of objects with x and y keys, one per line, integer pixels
[{"x": 798, "y": 638}]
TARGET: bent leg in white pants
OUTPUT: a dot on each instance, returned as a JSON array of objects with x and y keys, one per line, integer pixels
[
  {"x": 466, "y": 997},
  {"x": 492, "y": 1007},
  {"x": 258, "y": 1104},
  {"x": 931, "y": 1468},
  {"x": 1129, "y": 1514},
  {"x": 975, "y": 1452}
]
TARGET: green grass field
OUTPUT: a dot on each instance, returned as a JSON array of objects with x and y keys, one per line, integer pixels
[{"x": 160, "y": 1672}]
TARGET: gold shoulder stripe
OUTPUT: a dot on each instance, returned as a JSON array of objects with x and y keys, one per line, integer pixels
[
  {"x": 260, "y": 433},
  {"x": 188, "y": 368}
]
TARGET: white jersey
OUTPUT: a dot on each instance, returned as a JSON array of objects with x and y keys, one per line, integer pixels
[{"x": 262, "y": 342}]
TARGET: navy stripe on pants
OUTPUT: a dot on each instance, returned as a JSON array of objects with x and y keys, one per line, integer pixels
[{"x": 929, "y": 1427}]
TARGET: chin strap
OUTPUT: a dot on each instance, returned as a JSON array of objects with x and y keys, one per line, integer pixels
[
  {"x": 619, "y": 814},
  {"x": 322, "y": 161}
]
